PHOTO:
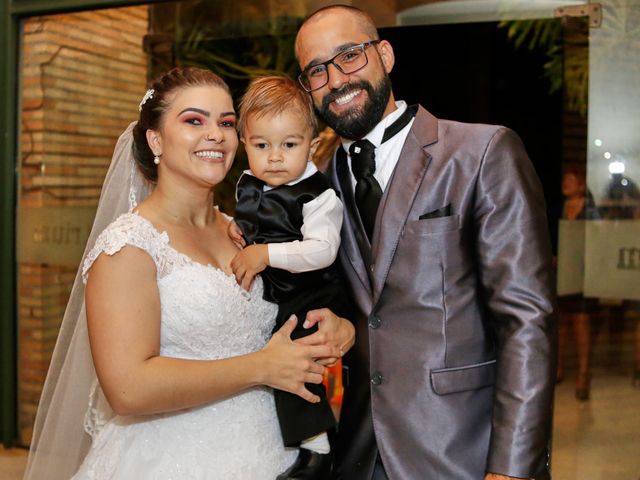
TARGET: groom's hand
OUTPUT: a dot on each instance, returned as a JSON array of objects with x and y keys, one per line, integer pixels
[{"x": 333, "y": 331}]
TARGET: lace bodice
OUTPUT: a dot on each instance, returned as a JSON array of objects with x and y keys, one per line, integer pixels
[
  {"x": 197, "y": 320},
  {"x": 135, "y": 230},
  {"x": 204, "y": 315}
]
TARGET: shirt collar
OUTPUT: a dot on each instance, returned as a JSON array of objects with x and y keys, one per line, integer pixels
[{"x": 376, "y": 134}]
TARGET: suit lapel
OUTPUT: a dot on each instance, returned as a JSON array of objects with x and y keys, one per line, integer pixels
[
  {"x": 399, "y": 196},
  {"x": 352, "y": 230}
]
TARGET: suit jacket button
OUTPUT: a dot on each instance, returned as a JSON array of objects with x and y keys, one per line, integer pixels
[
  {"x": 376, "y": 378},
  {"x": 375, "y": 322}
]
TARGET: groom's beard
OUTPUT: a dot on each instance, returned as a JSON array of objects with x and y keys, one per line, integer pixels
[{"x": 356, "y": 123}]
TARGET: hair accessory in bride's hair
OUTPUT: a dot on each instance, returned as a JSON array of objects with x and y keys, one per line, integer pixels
[{"x": 147, "y": 96}]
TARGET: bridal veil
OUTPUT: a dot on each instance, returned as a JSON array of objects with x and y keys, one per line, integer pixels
[{"x": 72, "y": 406}]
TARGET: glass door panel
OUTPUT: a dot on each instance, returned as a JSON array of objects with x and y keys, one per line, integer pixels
[{"x": 82, "y": 75}]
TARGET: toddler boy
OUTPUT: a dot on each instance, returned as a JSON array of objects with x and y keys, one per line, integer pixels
[{"x": 290, "y": 221}]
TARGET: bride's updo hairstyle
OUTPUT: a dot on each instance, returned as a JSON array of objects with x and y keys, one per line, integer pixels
[{"x": 156, "y": 102}]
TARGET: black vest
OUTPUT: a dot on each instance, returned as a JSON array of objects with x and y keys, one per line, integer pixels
[{"x": 275, "y": 216}]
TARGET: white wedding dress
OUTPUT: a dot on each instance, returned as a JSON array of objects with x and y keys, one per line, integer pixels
[{"x": 205, "y": 315}]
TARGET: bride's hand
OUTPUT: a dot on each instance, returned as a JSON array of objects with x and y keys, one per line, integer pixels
[{"x": 288, "y": 366}]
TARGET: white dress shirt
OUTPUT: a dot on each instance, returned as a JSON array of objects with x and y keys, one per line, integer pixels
[
  {"x": 387, "y": 153},
  {"x": 322, "y": 220}
]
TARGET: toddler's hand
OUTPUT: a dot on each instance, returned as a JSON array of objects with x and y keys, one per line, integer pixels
[
  {"x": 235, "y": 234},
  {"x": 248, "y": 263}
]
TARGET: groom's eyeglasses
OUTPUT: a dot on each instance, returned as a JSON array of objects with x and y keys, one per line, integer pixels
[{"x": 348, "y": 61}]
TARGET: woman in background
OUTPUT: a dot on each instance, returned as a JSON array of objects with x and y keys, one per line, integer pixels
[{"x": 576, "y": 309}]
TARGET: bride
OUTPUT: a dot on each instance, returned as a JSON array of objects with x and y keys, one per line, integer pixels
[{"x": 166, "y": 370}]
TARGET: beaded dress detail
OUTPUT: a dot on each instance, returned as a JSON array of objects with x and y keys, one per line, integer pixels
[{"x": 204, "y": 315}]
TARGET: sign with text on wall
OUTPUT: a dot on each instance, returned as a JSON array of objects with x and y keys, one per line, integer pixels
[
  {"x": 612, "y": 259},
  {"x": 53, "y": 235}
]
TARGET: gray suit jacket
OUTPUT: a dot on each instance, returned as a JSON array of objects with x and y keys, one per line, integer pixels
[{"x": 452, "y": 373}]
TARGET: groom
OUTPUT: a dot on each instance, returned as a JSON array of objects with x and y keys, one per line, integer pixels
[{"x": 445, "y": 248}]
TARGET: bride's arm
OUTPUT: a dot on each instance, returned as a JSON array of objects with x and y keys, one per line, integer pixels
[{"x": 123, "y": 315}]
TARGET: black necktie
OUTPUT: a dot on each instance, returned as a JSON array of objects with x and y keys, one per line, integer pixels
[
  {"x": 363, "y": 165},
  {"x": 368, "y": 192}
]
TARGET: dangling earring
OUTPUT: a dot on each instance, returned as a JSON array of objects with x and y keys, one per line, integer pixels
[{"x": 156, "y": 159}]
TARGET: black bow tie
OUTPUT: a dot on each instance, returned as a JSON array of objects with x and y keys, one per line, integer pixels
[{"x": 363, "y": 165}]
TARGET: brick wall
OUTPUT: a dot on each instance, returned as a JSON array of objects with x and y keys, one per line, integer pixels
[{"x": 83, "y": 75}]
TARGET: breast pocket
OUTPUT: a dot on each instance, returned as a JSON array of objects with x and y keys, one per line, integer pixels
[
  {"x": 430, "y": 226},
  {"x": 430, "y": 241}
]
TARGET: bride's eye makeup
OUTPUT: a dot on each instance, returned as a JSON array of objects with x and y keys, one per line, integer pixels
[
  {"x": 194, "y": 116},
  {"x": 227, "y": 121},
  {"x": 194, "y": 121}
]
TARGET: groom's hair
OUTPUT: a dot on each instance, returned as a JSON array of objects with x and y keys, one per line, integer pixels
[
  {"x": 363, "y": 20},
  {"x": 272, "y": 95}
]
